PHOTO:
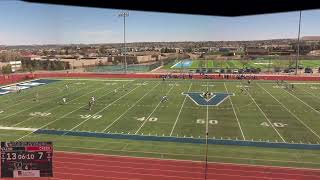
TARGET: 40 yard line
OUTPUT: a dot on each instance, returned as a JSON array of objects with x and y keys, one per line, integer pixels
[
  {"x": 311, "y": 130},
  {"x": 175, "y": 123},
  {"x": 152, "y": 112},
  {"x": 265, "y": 116},
  {"x": 302, "y": 101},
  {"x": 130, "y": 108},
  {"x": 235, "y": 114}
]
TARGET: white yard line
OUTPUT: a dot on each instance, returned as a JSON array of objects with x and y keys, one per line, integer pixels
[
  {"x": 54, "y": 121},
  {"x": 310, "y": 93},
  {"x": 17, "y": 129},
  {"x": 265, "y": 116},
  {"x": 104, "y": 108},
  {"x": 129, "y": 108},
  {"x": 114, "y": 80},
  {"x": 207, "y": 118},
  {"x": 235, "y": 114},
  {"x": 302, "y": 101},
  {"x": 152, "y": 112},
  {"x": 56, "y": 107},
  {"x": 31, "y": 107},
  {"x": 289, "y": 111},
  {"x": 175, "y": 123}
]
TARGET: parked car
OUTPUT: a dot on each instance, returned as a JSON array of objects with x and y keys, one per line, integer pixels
[
  {"x": 217, "y": 71},
  {"x": 235, "y": 71},
  {"x": 308, "y": 70},
  {"x": 288, "y": 70}
]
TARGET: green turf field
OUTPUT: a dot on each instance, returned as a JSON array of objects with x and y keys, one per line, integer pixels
[
  {"x": 240, "y": 64},
  {"x": 263, "y": 112}
]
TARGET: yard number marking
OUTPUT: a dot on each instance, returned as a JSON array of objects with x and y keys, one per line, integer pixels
[
  {"x": 88, "y": 116},
  {"x": 173, "y": 84},
  {"x": 39, "y": 114},
  {"x": 276, "y": 124},
  {"x": 141, "y": 84},
  {"x": 151, "y": 119},
  {"x": 111, "y": 84},
  {"x": 202, "y": 121}
]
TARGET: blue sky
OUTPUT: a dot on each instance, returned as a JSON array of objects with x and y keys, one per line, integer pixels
[{"x": 28, "y": 23}]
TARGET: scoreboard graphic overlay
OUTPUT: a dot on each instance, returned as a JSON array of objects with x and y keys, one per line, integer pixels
[{"x": 26, "y": 159}]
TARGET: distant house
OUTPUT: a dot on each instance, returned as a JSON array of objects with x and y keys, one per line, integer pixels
[{"x": 256, "y": 51}]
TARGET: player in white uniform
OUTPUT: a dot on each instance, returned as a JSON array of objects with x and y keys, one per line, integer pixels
[
  {"x": 93, "y": 99},
  {"x": 164, "y": 99},
  {"x": 64, "y": 100},
  {"x": 67, "y": 87}
]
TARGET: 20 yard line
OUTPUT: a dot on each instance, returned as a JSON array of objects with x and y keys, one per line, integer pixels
[
  {"x": 235, "y": 114},
  {"x": 289, "y": 111},
  {"x": 55, "y": 120},
  {"x": 56, "y": 107},
  {"x": 265, "y": 116},
  {"x": 175, "y": 123},
  {"x": 130, "y": 108},
  {"x": 152, "y": 111},
  {"x": 35, "y": 106}
]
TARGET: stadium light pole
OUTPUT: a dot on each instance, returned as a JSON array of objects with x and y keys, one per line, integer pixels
[
  {"x": 298, "y": 51},
  {"x": 124, "y": 15}
]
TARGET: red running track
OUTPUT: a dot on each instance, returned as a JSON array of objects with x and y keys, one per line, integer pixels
[{"x": 78, "y": 166}]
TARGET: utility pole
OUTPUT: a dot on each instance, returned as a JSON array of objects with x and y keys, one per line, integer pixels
[
  {"x": 298, "y": 51},
  {"x": 124, "y": 15}
]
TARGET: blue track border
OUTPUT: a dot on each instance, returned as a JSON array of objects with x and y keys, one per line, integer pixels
[{"x": 179, "y": 139}]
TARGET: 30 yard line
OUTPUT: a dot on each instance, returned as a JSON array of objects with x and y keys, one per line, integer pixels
[
  {"x": 130, "y": 107},
  {"x": 54, "y": 120},
  {"x": 289, "y": 111},
  {"x": 302, "y": 101},
  {"x": 265, "y": 116},
  {"x": 175, "y": 123},
  {"x": 235, "y": 114},
  {"x": 152, "y": 112},
  {"x": 104, "y": 108}
]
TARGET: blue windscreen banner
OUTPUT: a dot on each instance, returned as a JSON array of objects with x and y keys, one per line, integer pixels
[{"x": 24, "y": 85}]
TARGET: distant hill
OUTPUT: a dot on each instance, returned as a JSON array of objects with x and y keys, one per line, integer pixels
[{"x": 311, "y": 38}]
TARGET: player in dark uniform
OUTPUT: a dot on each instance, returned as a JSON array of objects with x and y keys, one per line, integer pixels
[{"x": 90, "y": 105}]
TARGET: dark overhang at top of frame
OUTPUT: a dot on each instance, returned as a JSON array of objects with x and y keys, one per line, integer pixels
[{"x": 202, "y": 7}]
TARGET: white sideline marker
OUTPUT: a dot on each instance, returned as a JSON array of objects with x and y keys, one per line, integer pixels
[{"x": 18, "y": 128}]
